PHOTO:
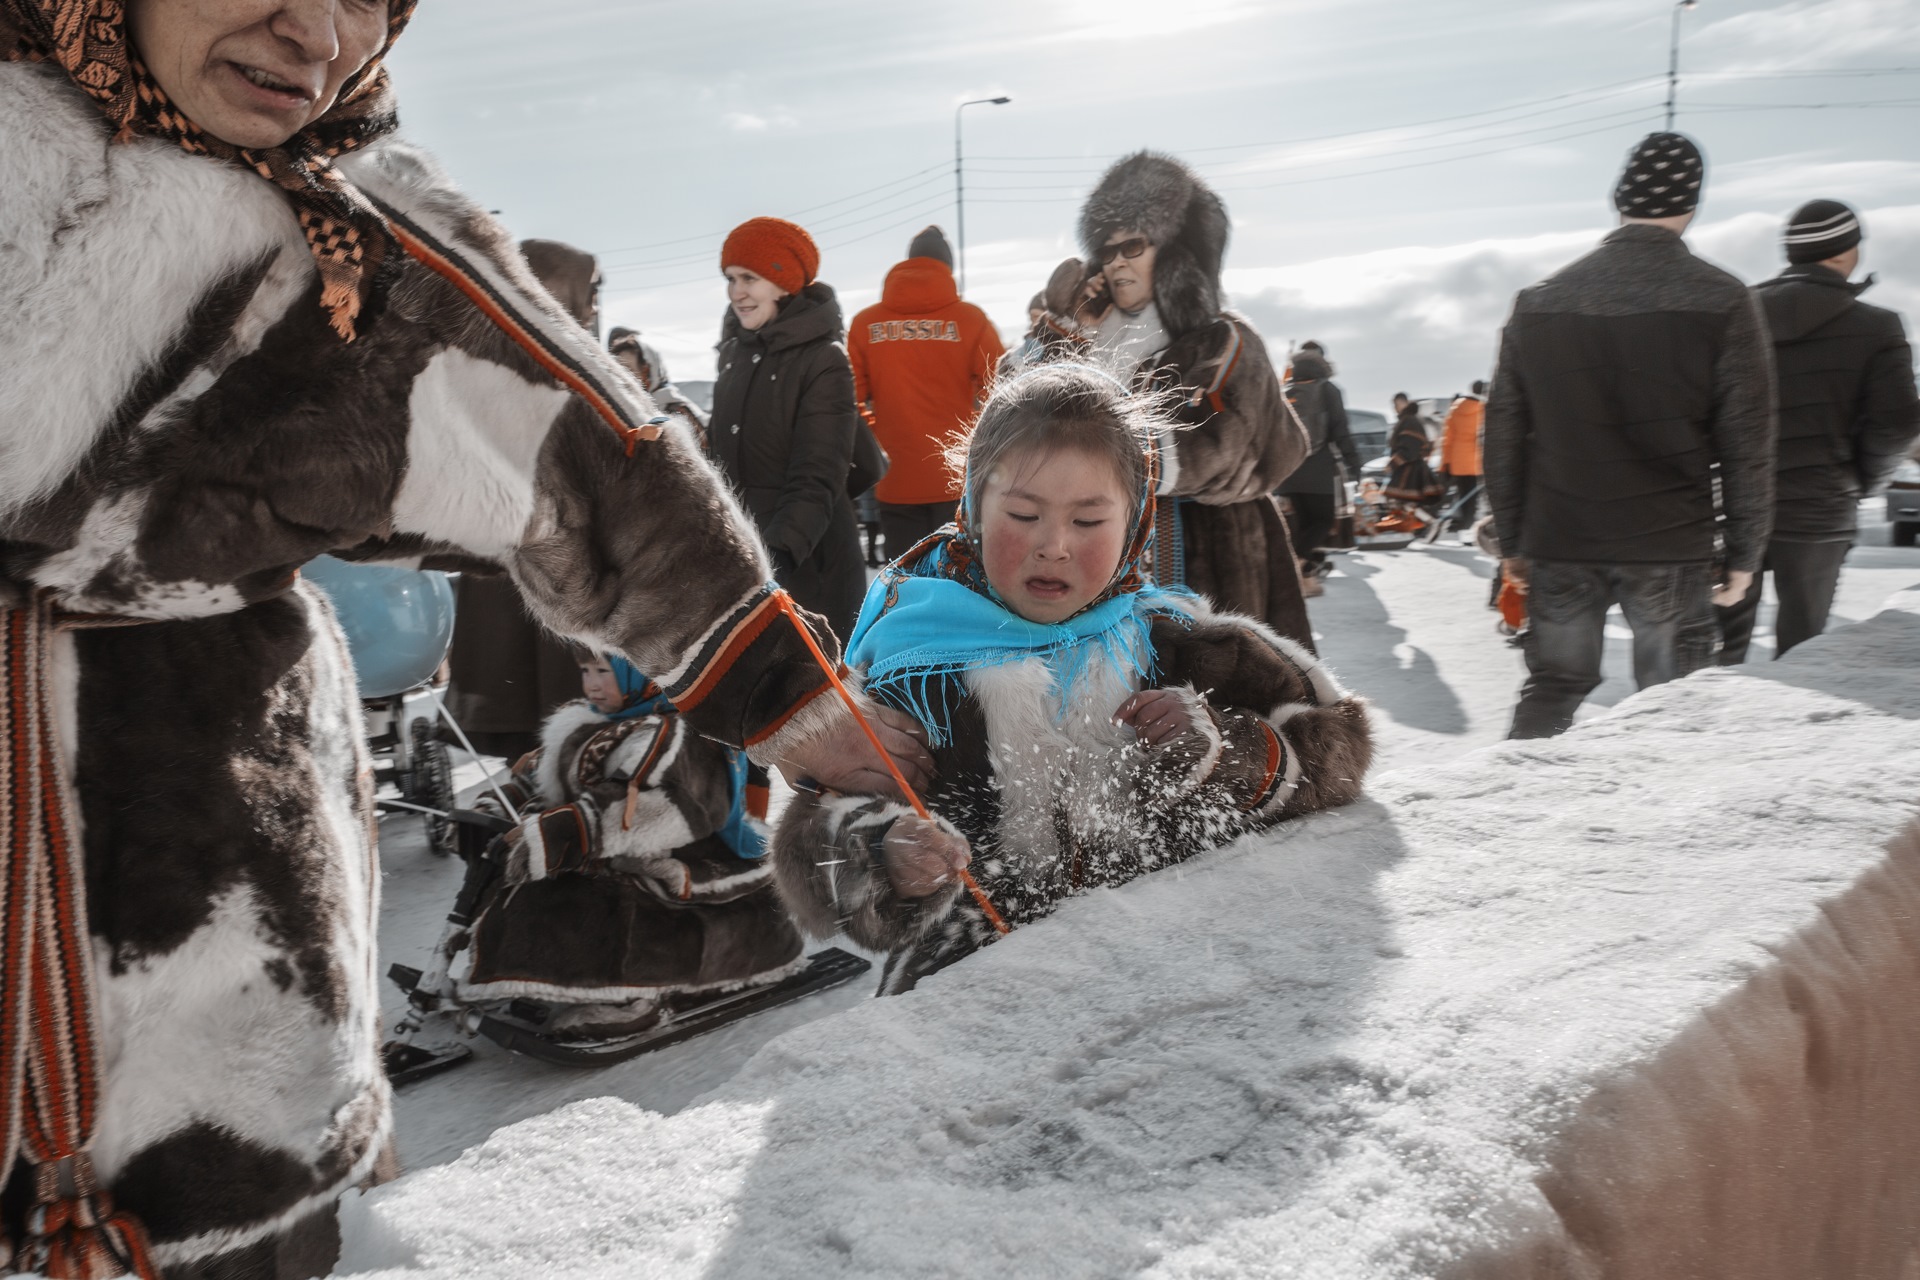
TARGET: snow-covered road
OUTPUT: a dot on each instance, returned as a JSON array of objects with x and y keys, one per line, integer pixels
[
  {"x": 1612, "y": 1004},
  {"x": 1409, "y": 630}
]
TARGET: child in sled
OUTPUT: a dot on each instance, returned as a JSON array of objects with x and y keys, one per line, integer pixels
[
  {"x": 1086, "y": 726},
  {"x": 636, "y": 880}
]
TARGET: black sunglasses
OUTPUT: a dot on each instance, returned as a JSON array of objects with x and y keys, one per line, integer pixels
[{"x": 1128, "y": 249}]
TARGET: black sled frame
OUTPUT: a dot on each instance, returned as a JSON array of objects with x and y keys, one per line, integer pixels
[{"x": 430, "y": 995}]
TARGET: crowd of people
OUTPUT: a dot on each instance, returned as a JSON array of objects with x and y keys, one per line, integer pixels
[
  {"x": 1628, "y": 450},
  {"x": 1087, "y": 656}
]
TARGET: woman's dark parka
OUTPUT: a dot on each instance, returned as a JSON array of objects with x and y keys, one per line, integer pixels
[{"x": 782, "y": 430}]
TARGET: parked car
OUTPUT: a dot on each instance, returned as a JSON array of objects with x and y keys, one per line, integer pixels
[
  {"x": 1369, "y": 431},
  {"x": 1903, "y": 503}
]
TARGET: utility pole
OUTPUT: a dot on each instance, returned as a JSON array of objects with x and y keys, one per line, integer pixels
[
  {"x": 959, "y": 180},
  {"x": 1673, "y": 59}
]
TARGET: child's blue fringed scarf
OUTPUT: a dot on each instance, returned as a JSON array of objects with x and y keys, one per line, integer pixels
[
  {"x": 931, "y": 614},
  {"x": 745, "y": 831}
]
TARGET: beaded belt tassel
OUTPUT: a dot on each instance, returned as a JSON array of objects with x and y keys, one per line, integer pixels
[{"x": 49, "y": 1056}]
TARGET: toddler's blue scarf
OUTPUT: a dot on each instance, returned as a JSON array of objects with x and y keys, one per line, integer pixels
[
  {"x": 743, "y": 833},
  {"x": 931, "y": 614}
]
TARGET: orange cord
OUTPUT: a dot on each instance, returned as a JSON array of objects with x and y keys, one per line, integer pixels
[
  {"x": 846, "y": 696},
  {"x": 428, "y": 254}
]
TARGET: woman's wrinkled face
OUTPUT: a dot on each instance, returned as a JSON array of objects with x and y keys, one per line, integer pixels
[
  {"x": 255, "y": 72},
  {"x": 1130, "y": 280},
  {"x": 754, "y": 298},
  {"x": 1053, "y": 526}
]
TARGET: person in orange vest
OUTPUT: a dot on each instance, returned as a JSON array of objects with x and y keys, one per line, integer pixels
[
  {"x": 922, "y": 363},
  {"x": 1460, "y": 453}
]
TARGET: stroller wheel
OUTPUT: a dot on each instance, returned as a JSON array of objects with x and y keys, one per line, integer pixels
[{"x": 430, "y": 783}]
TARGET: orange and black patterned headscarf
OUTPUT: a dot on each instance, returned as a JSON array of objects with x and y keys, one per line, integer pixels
[{"x": 88, "y": 40}]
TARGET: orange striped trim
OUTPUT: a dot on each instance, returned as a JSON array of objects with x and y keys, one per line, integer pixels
[
  {"x": 430, "y": 256},
  {"x": 745, "y": 632},
  {"x": 1214, "y": 397},
  {"x": 906, "y": 788},
  {"x": 1276, "y": 756},
  {"x": 792, "y": 711}
]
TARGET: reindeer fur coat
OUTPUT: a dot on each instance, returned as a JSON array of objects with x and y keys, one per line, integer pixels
[{"x": 180, "y": 430}]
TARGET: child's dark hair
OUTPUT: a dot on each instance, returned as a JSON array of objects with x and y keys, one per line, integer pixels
[{"x": 1066, "y": 405}]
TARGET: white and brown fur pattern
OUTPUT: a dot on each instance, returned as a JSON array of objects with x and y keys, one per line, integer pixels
[
  {"x": 180, "y": 430},
  {"x": 1055, "y": 798}
]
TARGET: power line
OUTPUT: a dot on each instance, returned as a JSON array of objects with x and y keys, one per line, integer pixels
[
  {"x": 1426, "y": 147},
  {"x": 1800, "y": 106},
  {"x": 1421, "y": 164},
  {"x": 921, "y": 178},
  {"x": 903, "y": 221},
  {"x": 841, "y": 222},
  {"x": 1802, "y": 73},
  {"x": 906, "y": 189},
  {"x": 941, "y": 167},
  {"x": 1614, "y": 89}
]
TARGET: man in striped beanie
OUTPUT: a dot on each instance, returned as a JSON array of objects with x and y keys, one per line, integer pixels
[
  {"x": 1848, "y": 414},
  {"x": 1628, "y": 445}
]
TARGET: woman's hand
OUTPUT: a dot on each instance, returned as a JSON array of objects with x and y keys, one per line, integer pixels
[
  {"x": 923, "y": 857},
  {"x": 843, "y": 760},
  {"x": 1157, "y": 715}
]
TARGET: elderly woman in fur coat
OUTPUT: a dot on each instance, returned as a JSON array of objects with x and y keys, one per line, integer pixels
[{"x": 1146, "y": 301}]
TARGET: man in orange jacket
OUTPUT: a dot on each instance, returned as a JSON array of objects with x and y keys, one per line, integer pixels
[
  {"x": 1460, "y": 452},
  {"x": 922, "y": 360}
]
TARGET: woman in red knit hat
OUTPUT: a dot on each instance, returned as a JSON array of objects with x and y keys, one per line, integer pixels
[{"x": 783, "y": 418}]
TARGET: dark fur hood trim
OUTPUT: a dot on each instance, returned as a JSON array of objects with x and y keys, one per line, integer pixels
[{"x": 1166, "y": 201}]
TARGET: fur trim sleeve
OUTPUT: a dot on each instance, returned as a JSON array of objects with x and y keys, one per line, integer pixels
[
  {"x": 828, "y": 864},
  {"x": 1240, "y": 440},
  {"x": 1294, "y": 739},
  {"x": 1328, "y": 752}
]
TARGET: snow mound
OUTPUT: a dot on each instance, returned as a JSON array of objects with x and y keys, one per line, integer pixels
[{"x": 1634, "y": 1001}]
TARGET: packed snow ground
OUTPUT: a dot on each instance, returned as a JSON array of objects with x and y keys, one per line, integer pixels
[{"x": 1302, "y": 1050}]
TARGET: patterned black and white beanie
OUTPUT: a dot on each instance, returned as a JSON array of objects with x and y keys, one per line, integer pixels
[
  {"x": 1662, "y": 178},
  {"x": 1821, "y": 229}
]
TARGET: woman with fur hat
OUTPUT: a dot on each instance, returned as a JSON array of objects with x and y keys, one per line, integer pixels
[
  {"x": 783, "y": 421},
  {"x": 1149, "y": 306}
]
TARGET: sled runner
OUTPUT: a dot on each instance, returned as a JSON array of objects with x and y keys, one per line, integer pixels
[{"x": 517, "y": 1025}]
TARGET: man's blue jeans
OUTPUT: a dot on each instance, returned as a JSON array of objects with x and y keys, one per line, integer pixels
[{"x": 1668, "y": 606}]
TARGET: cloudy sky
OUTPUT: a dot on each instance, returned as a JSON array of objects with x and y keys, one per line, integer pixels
[{"x": 1395, "y": 168}]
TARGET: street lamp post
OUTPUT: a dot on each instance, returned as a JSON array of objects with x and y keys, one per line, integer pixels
[
  {"x": 959, "y": 181},
  {"x": 1673, "y": 59}
]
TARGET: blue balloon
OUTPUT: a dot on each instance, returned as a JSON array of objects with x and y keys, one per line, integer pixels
[{"x": 399, "y": 622}]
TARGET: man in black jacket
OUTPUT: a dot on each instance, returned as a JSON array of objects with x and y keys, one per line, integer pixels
[
  {"x": 1847, "y": 414},
  {"x": 1629, "y": 381}
]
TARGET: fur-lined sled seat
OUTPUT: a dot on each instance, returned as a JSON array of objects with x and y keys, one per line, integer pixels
[{"x": 1637, "y": 1002}]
